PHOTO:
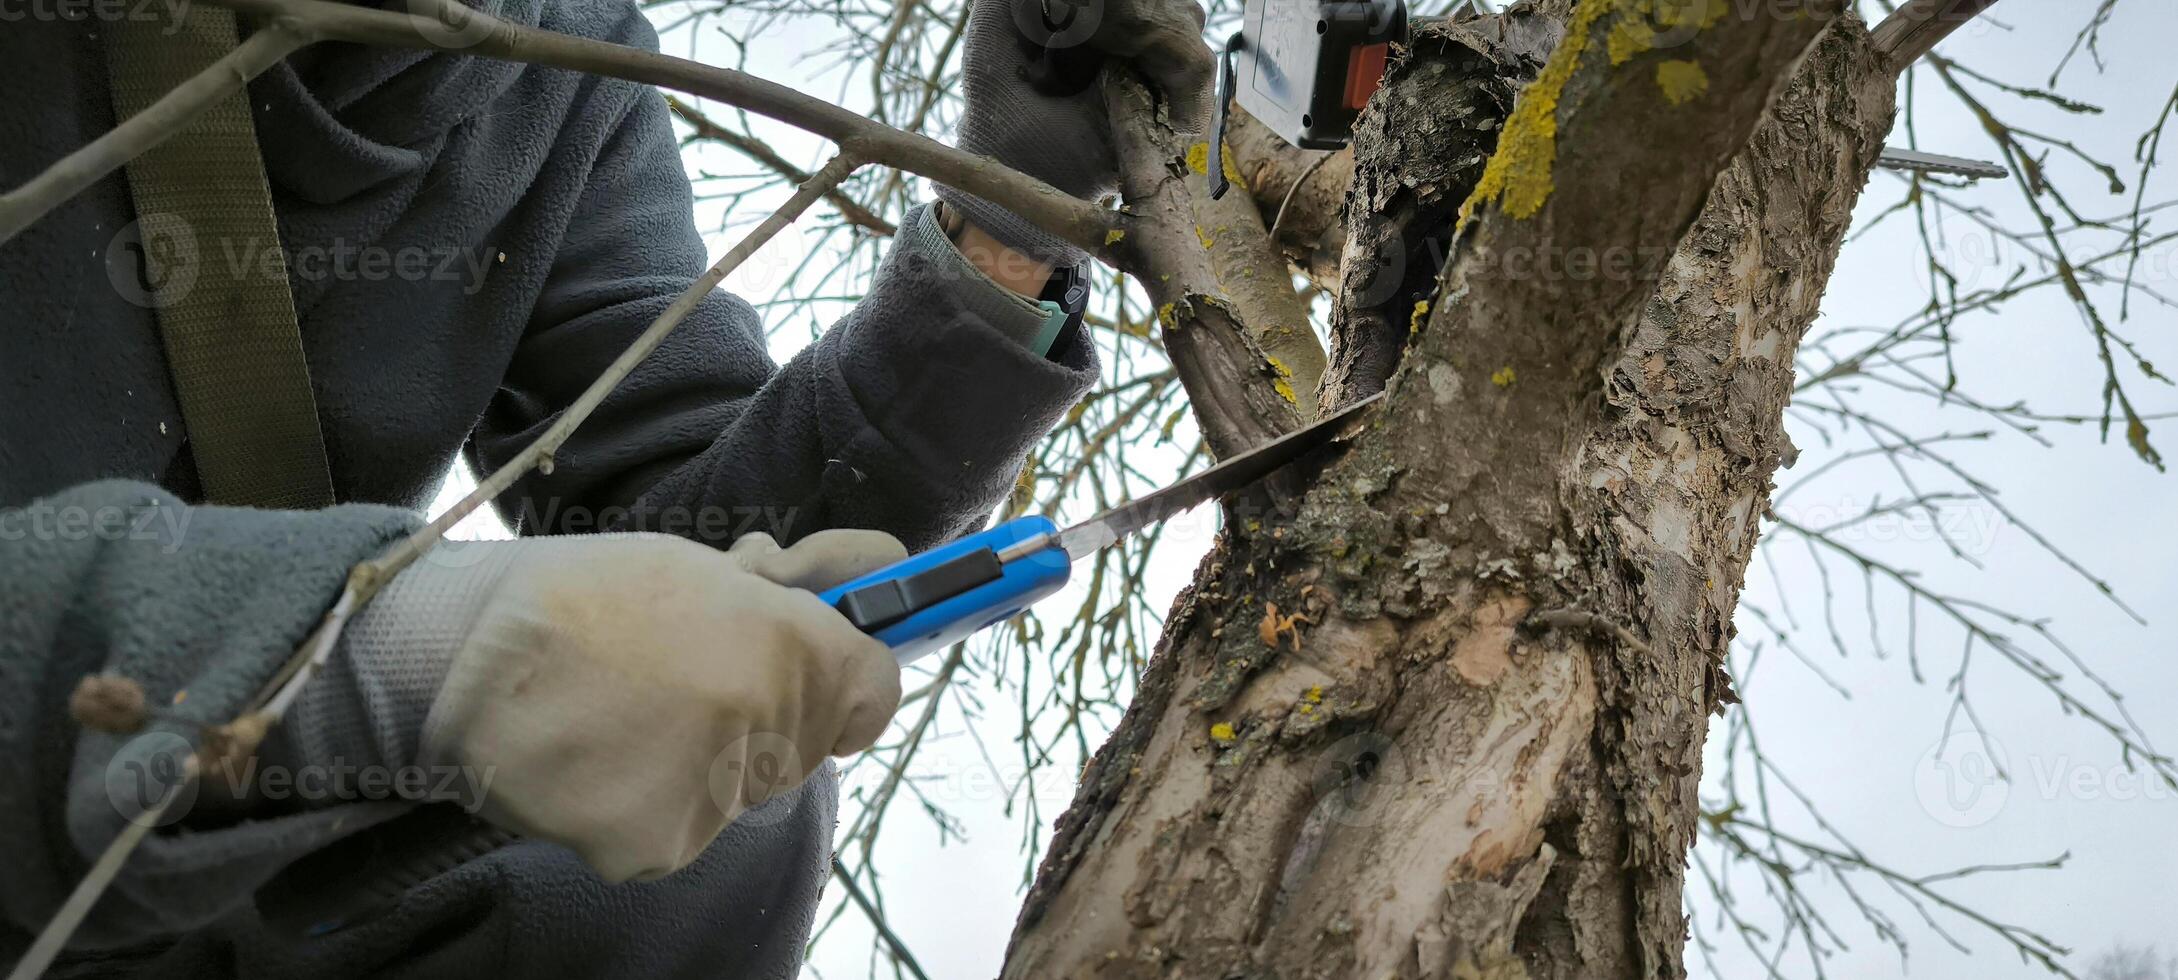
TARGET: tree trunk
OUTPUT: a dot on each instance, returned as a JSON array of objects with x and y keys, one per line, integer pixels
[{"x": 1442, "y": 716}]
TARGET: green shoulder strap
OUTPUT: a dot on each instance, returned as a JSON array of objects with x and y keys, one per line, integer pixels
[{"x": 225, "y": 314}]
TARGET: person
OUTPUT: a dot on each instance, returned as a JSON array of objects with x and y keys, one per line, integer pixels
[{"x": 603, "y": 690}]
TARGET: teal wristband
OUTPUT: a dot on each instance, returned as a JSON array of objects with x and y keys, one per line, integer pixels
[
  {"x": 1065, "y": 301},
  {"x": 1055, "y": 317}
]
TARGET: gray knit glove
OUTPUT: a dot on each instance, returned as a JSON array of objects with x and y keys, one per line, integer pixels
[{"x": 1029, "y": 77}]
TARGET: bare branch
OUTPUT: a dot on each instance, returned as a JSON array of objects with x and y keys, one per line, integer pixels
[
  {"x": 1071, "y": 218},
  {"x": 1919, "y": 25},
  {"x": 1078, "y": 221},
  {"x": 1230, "y": 381},
  {"x": 761, "y": 152},
  {"x": 898, "y": 948},
  {"x": 538, "y": 455},
  {"x": 76, "y": 172}
]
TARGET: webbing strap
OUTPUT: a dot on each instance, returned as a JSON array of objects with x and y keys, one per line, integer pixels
[{"x": 225, "y": 315}]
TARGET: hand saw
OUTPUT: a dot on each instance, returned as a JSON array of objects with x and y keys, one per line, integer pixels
[
  {"x": 939, "y": 597},
  {"x": 1305, "y": 68},
  {"x": 916, "y": 606}
]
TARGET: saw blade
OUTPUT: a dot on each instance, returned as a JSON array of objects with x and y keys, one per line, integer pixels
[
  {"x": 1897, "y": 158},
  {"x": 1107, "y": 528}
]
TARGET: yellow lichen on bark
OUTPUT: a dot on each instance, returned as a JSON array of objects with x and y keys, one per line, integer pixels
[
  {"x": 1518, "y": 176},
  {"x": 1282, "y": 381},
  {"x": 1682, "y": 81},
  {"x": 1629, "y": 37},
  {"x": 1699, "y": 15},
  {"x": 1198, "y": 160}
]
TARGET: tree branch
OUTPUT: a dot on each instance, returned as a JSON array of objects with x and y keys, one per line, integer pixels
[
  {"x": 76, "y": 172},
  {"x": 1231, "y": 382},
  {"x": 761, "y": 152},
  {"x": 877, "y": 919},
  {"x": 1919, "y": 25},
  {"x": 1300, "y": 192},
  {"x": 1071, "y": 218}
]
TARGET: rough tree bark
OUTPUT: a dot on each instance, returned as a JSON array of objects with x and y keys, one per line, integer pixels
[{"x": 1442, "y": 715}]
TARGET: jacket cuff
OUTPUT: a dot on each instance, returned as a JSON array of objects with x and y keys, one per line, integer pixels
[
  {"x": 933, "y": 257},
  {"x": 1012, "y": 230},
  {"x": 945, "y": 393}
]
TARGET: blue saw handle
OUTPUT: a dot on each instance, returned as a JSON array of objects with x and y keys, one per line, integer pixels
[{"x": 944, "y": 595}]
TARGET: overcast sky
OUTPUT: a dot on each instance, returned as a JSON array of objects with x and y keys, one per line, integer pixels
[{"x": 1870, "y": 761}]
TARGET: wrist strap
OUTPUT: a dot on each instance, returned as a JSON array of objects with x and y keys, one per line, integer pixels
[{"x": 1065, "y": 301}]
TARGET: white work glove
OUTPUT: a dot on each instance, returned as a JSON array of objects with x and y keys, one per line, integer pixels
[{"x": 628, "y": 696}]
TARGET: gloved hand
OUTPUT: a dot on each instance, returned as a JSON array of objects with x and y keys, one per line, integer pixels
[
  {"x": 629, "y": 695},
  {"x": 1028, "y": 75}
]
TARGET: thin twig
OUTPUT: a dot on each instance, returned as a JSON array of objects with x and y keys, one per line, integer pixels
[
  {"x": 1279, "y": 219},
  {"x": 1078, "y": 221},
  {"x": 78, "y": 171},
  {"x": 899, "y": 949},
  {"x": 272, "y": 702},
  {"x": 291, "y": 23},
  {"x": 539, "y": 453},
  {"x": 761, "y": 152},
  {"x": 1582, "y": 619}
]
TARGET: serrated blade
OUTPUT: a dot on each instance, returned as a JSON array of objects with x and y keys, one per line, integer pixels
[
  {"x": 1897, "y": 158},
  {"x": 1096, "y": 533}
]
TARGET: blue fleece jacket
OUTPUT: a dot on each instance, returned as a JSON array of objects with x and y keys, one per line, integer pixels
[{"x": 560, "y": 205}]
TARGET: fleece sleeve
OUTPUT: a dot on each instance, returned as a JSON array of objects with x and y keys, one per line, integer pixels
[
  {"x": 197, "y": 605},
  {"x": 911, "y": 415}
]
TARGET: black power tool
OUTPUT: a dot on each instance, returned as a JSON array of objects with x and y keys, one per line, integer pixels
[{"x": 1304, "y": 68}]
